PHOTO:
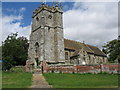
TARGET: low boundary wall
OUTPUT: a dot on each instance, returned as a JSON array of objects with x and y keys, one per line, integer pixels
[{"x": 108, "y": 68}]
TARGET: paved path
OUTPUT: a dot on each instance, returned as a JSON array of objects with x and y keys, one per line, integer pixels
[{"x": 39, "y": 82}]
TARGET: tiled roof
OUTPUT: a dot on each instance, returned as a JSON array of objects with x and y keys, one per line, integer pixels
[
  {"x": 96, "y": 50},
  {"x": 76, "y": 53},
  {"x": 77, "y": 46},
  {"x": 74, "y": 45}
]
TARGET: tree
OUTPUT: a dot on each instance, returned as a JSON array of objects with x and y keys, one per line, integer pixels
[
  {"x": 14, "y": 51},
  {"x": 112, "y": 49}
]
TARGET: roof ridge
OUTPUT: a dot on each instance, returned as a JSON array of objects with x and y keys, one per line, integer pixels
[
  {"x": 92, "y": 46},
  {"x": 73, "y": 40},
  {"x": 81, "y": 42}
]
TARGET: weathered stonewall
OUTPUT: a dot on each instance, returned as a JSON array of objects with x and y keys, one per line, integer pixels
[{"x": 46, "y": 39}]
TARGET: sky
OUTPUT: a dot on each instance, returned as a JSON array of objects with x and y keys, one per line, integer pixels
[{"x": 95, "y": 23}]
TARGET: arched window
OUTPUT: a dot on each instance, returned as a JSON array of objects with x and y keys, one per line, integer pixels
[
  {"x": 66, "y": 55},
  {"x": 89, "y": 57},
  {"x": 36, "y": 46},
  {"x": 37, "y": 19},
  {"x": 43, "y": 20},
  {"x": 50, "y": 16},
  {"x": 48, "y": 29}
]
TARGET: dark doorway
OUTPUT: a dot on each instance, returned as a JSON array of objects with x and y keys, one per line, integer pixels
[
  {"x": 37, "y": 61},
  {"x": 42, "y": 68}
]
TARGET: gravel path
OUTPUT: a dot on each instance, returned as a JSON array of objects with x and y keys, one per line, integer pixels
[{"x": 39, "y": 82}]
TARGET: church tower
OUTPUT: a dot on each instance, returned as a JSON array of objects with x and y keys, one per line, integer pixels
[{"x": 46, "y": 39}]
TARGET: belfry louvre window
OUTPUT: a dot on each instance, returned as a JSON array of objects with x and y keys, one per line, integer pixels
[
  {"x": 66, "y": 55},
  {"x": 37, "y": 19}
]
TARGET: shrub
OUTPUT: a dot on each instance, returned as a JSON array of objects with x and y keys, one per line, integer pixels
[{"x": 17, "y": 69}]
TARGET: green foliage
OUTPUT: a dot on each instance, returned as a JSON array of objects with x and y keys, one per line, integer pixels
[
  {"x": 7, "y": 63},
  {"x": 14, "y": 51},
  {"x": 82, "y": 80},
  {"x": 112, "y": 48},
  {"x": 17, "y": 69},
  {"x": 16, "y": 80}
]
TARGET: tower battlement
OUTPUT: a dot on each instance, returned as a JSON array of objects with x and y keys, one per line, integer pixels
[{"x": 53, "y": 9}]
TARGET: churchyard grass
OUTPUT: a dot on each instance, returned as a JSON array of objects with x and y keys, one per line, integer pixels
[
  {"x": 82, "y": 80},
  {"x": 0, "y": 79},
  {"x": 16, "y": 79}
]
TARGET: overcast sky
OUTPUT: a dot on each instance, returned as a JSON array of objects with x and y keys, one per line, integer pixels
[{"x": 94, "y": 23}]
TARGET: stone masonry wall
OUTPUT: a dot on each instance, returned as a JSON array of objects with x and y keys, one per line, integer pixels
[{"x": 108, "y": 68}]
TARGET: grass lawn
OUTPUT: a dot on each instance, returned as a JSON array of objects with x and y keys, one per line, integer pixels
[
  {"x": 82, "y": 80},
  {"x": 0, "y": 80},
  {"x": 16, "y": 79}
]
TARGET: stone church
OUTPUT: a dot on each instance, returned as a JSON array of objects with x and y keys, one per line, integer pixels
[{"x": 47, "y": 42}]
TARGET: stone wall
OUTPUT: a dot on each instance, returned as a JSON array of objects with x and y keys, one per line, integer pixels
[
  {"x": 108, "y": 68},
  {"x": 84, "y": 58},
  {"x": 46, "y": 39}
]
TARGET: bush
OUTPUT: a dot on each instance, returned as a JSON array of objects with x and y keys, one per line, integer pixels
[
  {"x": 7, "y": 63},
  {"x": 103, "y": 73},
  {"x": 17, "y": 69}
]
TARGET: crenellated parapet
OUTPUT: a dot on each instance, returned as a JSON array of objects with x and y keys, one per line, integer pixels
[{"x": 53, "y": 9}]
